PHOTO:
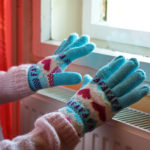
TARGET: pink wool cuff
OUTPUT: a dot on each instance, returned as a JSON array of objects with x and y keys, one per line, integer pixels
[
  {"x": 14, "y": 84},
  {"x": 22, "y": 84},
  {"x": 63, "y": 127}
]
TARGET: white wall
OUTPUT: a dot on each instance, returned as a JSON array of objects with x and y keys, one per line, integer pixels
[{"x": 66, "y": 18}]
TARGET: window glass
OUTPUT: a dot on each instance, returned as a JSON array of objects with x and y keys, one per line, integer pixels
[{"x": 130, "y": 14}]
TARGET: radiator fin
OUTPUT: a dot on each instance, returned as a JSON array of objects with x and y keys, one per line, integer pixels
[
  {"x": 134, "y": 117},
  {"x": 96, "y": 141},
  {"x": 58, "y": 93},
  {"x": 116, "y": 146}
]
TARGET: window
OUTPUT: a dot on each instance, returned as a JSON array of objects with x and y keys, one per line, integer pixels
[
  {"x": 41, "y": 29},
  {"x": 127, "y": 14},
  {"x": 122, "y": 21},
  {"x": 55, "y": 19}
]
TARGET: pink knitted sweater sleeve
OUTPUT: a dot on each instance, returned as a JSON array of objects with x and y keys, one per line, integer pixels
[
  {"x": 14, "y": 84},
  {"x": 52, "y": 132}
]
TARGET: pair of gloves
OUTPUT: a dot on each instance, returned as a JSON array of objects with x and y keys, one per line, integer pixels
[{"x": 100, "y": 98}]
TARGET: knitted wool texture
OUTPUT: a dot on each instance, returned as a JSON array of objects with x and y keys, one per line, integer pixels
[
  {"x": 108, "y": 92},
  {"x": 49, "y": 72}
]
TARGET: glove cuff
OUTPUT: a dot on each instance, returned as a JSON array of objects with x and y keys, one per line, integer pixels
[
  {"x": 37, "y": 79},
  {"x": 88, "y": 109}
]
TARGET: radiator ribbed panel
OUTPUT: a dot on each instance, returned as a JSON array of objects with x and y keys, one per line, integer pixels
[
  {"x": 128, "y": 115},
  {"x": 134, "y": 117},
  {"x": 58, "y": 93}
]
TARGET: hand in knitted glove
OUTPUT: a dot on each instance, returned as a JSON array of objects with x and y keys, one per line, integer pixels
[
  {"x": 111, "y": 90},
  {"x": 49, "y": 72}
]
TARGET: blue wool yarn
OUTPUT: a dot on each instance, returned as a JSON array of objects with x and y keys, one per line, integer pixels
[
  {"x": 114, "y": 87},
  {"x": 50, "y": 71}
]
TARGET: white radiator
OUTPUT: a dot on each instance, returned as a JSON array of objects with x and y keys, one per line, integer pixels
[{"x": 129, "y": 129}]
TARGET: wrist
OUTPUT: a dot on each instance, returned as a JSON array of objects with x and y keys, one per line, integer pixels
[
  {"x": 88, "y": 109},
  {"x": 37, "y": 80},
  {"x": 80, "y": 116},
  {"x": 74, "y": 119}
]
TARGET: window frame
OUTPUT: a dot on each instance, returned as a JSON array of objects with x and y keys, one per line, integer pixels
[
  {"x": 95, "y": 29},
  {"x": 40, "y": 48}
]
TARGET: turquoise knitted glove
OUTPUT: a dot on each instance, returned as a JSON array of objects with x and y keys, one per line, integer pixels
[
  {"x": 49, "y": 72},
  {"x": 101, "y": 97}
]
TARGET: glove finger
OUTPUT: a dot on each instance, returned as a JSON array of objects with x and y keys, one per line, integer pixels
[
  {"x": 78, "y": 43},
  {"x": 78, "y": 52},
  {"x": 66, "y": 78},
  {"x": 86, "y": 79},
  {"x": 121, "y": 74},
  {"x": 60, "y": 47},
  {"x": 132, "y": 97},
  {"x": 71, "y": 39},
  {"x": 106, "y": 71},
  {"x": 130, "y": 83}
]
